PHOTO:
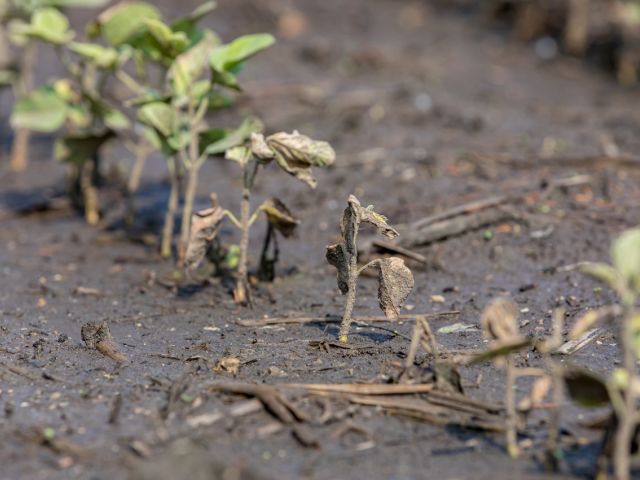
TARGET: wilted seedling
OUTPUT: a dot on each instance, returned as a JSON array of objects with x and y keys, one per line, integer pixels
[
  {"x": 623, "y": 277},
  {"x": 499, "y": 323},
  {"x": 395, "y": 279},
  {"x": 293, "y": 152}
]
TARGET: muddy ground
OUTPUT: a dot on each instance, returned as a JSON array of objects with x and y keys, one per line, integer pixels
[{"x": 427, "y": 109}]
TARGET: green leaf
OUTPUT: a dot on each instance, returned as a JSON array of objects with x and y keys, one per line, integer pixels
[
  {"x": 602, "y": 272},
  {"x": 115, "y": 119},
  {"x": 189, "y": 24},
  {"x": 42, "y": 110},
  {"x": 226, "y": 57},
  {"x": 125, "y": 20},
  {"x": 77, "y": 149},
  {"x": 188, "y": 67},
  {"x": 625, "y": 254},
  {"x": 157, "y": 115},
  {"x": 47, "y": 24},
  {"x": 240, "y": 154},
  {"x": 75, "y": 3},
  {"x": 172, "y": 43},
  {"x": 236, "y": 137},
  {"x": 226, "y": 79},
  {"x": 103, "y": 57}
]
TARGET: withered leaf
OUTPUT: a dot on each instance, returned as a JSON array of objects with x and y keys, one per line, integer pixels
[
  {"x": 396, "y": 283},
  {"x": 228, "y": 364},
  {"x": 499, "y": 320},
  {"x": 355, "y": 214},
  {"x": 295, "y": 154},
  {"x": 337, "y": 257},
  {"x": 279, "y": 216},
  {"x": 204, "y": 228},
  {"x": 260, "y": 148}
]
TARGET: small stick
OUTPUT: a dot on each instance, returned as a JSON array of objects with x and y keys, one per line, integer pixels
[
  {"x": 361, "y": 389},
  {"x": 261, "y": 322}
]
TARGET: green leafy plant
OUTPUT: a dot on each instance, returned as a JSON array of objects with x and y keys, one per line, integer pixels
[
  {"x": 22, "y": 24},
  {"x": 623, "y": 277},
  {"x": 292, "y": 152},
  {"x": 395, "y": 279}
]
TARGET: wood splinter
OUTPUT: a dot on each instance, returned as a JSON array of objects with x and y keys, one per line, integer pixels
[{"x": 97, "y": 336}]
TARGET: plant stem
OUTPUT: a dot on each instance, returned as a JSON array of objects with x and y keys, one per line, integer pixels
[
  {"x": 189, "y": 196},
  {"x": 510, "y": 401},
  {"x": 20, "y": 148},
  {"x": 141, "y": 153},
  {"x": 351, "y": 297},
  {"x": 89, "y": 193},
  {"x": 169, "y": 219},
  {"x": 627, "y": 416},
  {"x": 241, "y": 293}
]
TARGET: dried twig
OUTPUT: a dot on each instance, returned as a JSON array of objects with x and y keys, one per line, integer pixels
[{"x": 262, "y": 322}]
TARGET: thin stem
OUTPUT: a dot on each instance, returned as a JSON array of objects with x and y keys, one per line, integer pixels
[
  {"x": 129, "y": 81},
  {"x": 351, "y": 296},
  {"x": 20, "y": 148},
  {"x": 141, "y": 154},
  {"x": 189, "y": 196},
  {"x": 169, "y": 218},
  {"x": 626, "y": 415},
  {"x": 89, "y": 193},
  {"x": 232, "y": 217},
  {"x": 510, "y": 400},
  {"x": 241, "y": 293}
]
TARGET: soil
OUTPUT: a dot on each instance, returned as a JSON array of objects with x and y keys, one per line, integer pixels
[{"x": 427, "y": 109}]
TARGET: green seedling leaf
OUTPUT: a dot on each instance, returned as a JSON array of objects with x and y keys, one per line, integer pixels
[
  {"x": 42, "y": 110},
  {"x": 189, "y": 24},
  {"x": 226, "y": 58},
  {"x": 48, "y": 434},
  {"x": 188, "y": 67},
  {"x": 47, "y": 24},
  {"x": 121, "y": 22},
  {"x": 239, "y": 154},
  {"x": 625, "y": 254},
  {"x": 279, "y": 216},
  {"x": 503, "y": 348},
  {"x": 115, "y": 119},
  {"x": 236, "y": 137},
  {"x": 457, "y": 327},
  {"x": 586, "y": 388},
  {"x": 103, "y": 57},
  {"x": 158, "y": 115},
  {"x": 171, "y": 43},
  {"x": 75, "y": 3},
  {"x": 395, "y": 285},
  {"x": 499, "y": 320},
  {"x": 602, "y": 272},
  {"x": 337, "y": 256},
  {"x": 635, "y": 326},
  {"x": 77, "y": 149},
  {"x": 205, "y": 225}
]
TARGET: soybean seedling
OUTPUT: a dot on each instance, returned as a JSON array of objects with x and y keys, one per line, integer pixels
[
  {"x": 395, "y": 279},
  {"x": 295, "y": 154},
  {"x": 499, "y": 325},
  {"x": 623, "y": 277}
]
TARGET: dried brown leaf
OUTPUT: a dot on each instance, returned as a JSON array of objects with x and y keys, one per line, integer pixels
[
  {"x": 279, "y": 216},
  {"x": 396, "y": 283},
  {"x": 296, "y": 154},
  {"x": 260, "y": 148},
  {"x": 337, "y": 257},
  {"x": 204, "y": 228},
  {"x": 228, "y": 364},
  {"x": 355, "y": 214},
  {"x": 499, "y": 320}
]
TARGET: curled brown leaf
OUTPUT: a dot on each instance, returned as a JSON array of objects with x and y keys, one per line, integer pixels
[
  {"x": 337, "y": 257},
  {"x": 395, "y": 285},
  {"x": 279, "y": 216},
  {"x": 204, "y": 228}
]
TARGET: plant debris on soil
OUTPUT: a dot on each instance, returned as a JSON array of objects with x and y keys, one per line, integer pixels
[{"x": 502, "y": 172}]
